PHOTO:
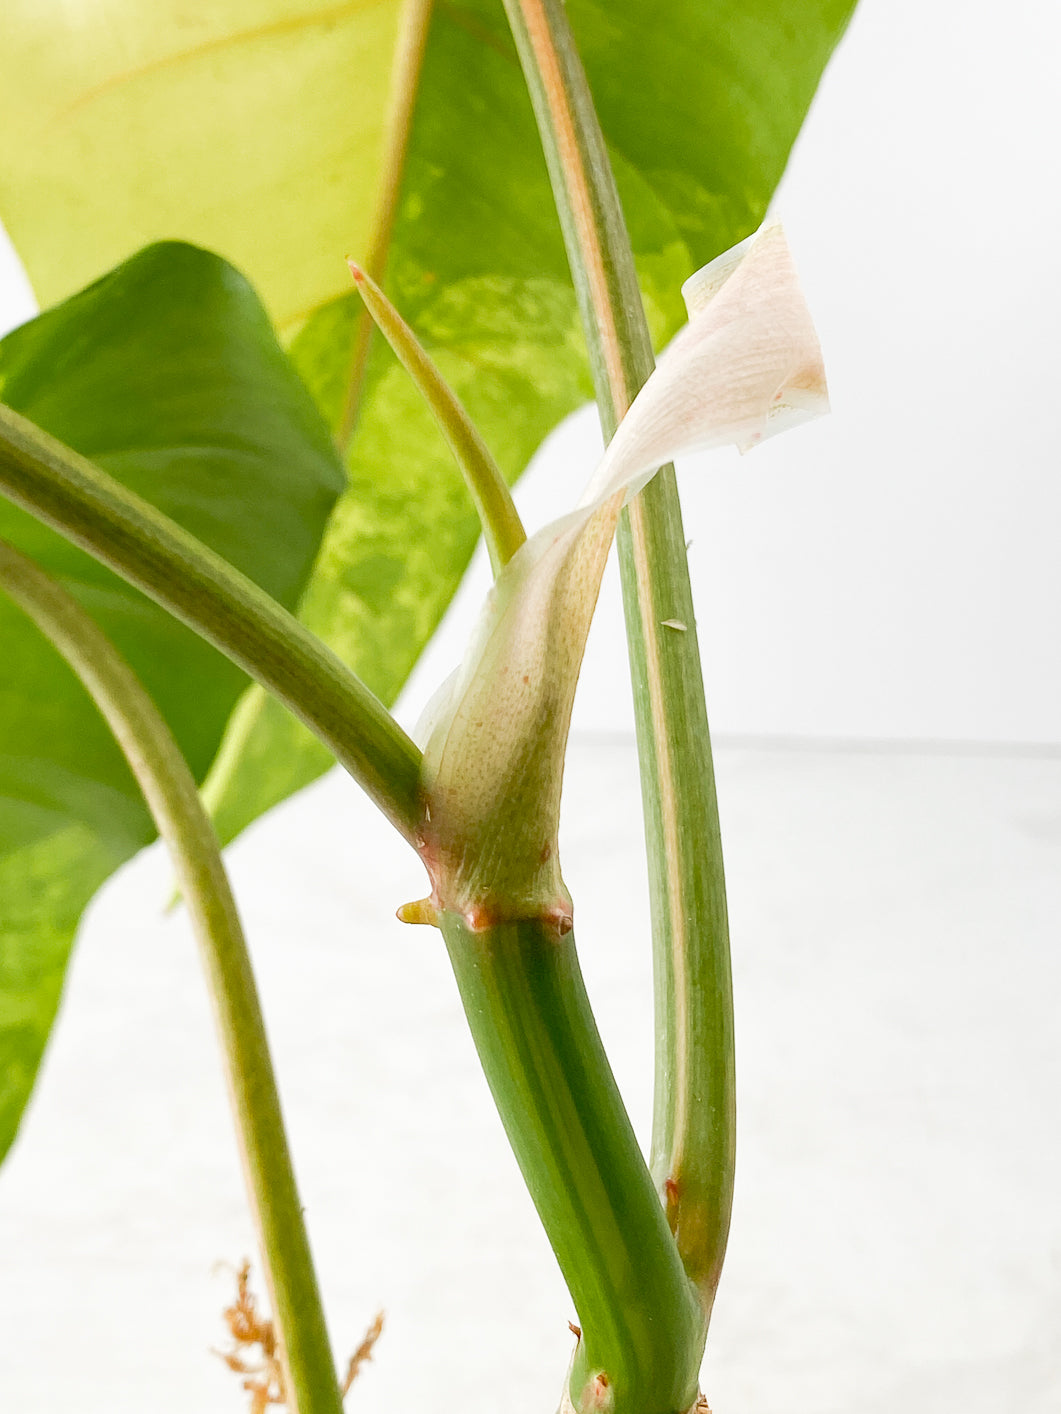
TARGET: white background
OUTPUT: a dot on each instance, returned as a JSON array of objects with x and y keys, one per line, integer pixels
[
  {"x": 890, "y": 572},
  {"x": 896, "y": 1242}
]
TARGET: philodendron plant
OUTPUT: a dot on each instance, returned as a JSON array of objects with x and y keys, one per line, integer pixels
[{"x": 191, "y": 505}]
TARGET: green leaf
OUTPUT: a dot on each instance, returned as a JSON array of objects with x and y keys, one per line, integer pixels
[
  {"x": 244, "y": 134},
  {"x": 167, "y": 373}
]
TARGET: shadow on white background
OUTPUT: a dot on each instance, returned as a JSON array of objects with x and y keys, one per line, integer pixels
[{"x": 896, "y": 1239}]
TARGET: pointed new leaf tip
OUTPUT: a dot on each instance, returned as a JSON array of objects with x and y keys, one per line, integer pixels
[{"x": 746, "y": 365}]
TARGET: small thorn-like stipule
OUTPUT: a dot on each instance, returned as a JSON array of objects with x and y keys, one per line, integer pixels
[{"x": 421, "y": 910}]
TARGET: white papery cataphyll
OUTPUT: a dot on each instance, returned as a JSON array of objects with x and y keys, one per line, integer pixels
[{"x": 747, "y": 365}]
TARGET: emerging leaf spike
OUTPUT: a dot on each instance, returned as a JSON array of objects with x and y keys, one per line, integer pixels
[
  {"x": 500, "y": 520},
  {"x": 746, "y": 365}
]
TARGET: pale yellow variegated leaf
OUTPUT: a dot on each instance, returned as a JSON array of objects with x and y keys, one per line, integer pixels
[{"x": 251, "y": 127}]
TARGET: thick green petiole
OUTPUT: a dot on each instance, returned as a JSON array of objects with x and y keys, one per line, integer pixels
[
  {"x": 173, "y": 799},
  {"x": 642, "y": 1325},
  {"x": 693, "y": 1127},
  {"x": 197, "y": 586}
]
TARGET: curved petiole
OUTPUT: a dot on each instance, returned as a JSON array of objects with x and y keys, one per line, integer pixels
[
  {"x": 146, "y": 548},
  {"x": 172, "y": 796}
]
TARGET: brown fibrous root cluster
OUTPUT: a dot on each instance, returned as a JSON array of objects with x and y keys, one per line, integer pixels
[{"x": 255, "y": 1353}]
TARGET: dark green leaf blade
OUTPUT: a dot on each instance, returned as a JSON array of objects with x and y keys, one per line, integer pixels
[{"x": 167, "y": 373}]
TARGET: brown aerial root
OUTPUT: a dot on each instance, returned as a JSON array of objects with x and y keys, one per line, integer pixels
[
  {"x": 265, "y": 1378},
  {"x": 364, "y": 1352},
  {"x": 256, "y": 1349}
]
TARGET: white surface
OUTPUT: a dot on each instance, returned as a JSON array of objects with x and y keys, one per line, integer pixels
[
  {"x": 897, "y": 1235},
  {"x": 893, "y": 570}
]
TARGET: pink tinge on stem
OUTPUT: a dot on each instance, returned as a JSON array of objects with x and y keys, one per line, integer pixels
[{"x": 746, "y": 365}]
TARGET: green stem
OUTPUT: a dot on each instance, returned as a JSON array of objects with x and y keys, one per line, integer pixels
[
  {"x": 531, "y": 1021},
  {"x": 498, "y": 516},
  {"x": 693, "y": 1127},
  {"x": 147, "y": 549},
  {"x": 173, "y": 799}
]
